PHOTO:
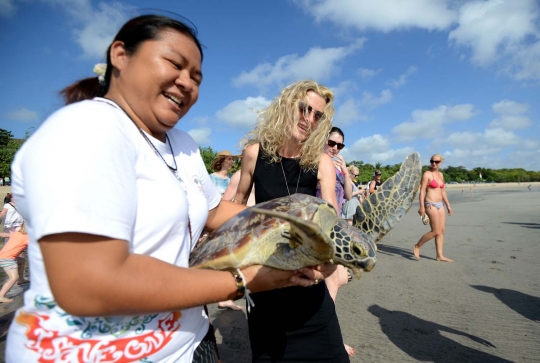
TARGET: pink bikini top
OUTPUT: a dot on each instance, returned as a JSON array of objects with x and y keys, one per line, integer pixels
[{"x": 434, "y": 184}]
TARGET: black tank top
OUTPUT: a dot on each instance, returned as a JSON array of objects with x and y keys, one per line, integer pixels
[
  {"x": 294, "y": 324},
  {"x": 269, "y": 180}
]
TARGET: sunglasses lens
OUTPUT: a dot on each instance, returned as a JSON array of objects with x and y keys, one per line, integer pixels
[
  {"x": 435, "y": 161},
  {"x": 332, "y": 143},
  {"x": 307, "y": 109}
]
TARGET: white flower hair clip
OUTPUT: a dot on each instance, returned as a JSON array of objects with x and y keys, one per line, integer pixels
[{"x": 100, "y": 70}]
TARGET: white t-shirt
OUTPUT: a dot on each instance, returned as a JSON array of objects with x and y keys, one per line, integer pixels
[
  {"x": 107, "y": 181},
  {"x": 13, "y": 218}
]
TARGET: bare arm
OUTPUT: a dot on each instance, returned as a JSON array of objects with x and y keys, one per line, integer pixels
[
  {"x": 249, "y": 159},
  {"x": 422, "y": 194},
  {"x": 327, "y": 179},
  {"x": 141, "y": 284},
  {"x": 222, "y": 213},
  {"x": 3, "y": 212},
  {"x": 445, "y": 197},
  {"x": 231, "y": 188},
  {"x": 372, "y": 187}
]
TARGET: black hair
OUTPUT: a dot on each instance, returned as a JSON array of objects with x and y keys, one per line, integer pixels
[
  {"x": 133, "y": 33},
  {"x": 338, "y": 130}
]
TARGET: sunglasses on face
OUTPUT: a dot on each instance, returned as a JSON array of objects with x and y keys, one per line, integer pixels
[
  {"x": 339, "y": 145},
  {"x": 435, "y": 161},
  {"x": 307, "y": 109},
  {"x": 356, "y": 175}
]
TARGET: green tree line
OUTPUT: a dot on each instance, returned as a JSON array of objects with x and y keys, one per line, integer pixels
[{"x": 9, "y": 146}]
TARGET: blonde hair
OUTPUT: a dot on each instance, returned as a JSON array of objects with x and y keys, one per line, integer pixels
[
  {"x": 353, "y": 169},
  {"x": 439, "y": 155},
  {"x": 274, "y": 124}
]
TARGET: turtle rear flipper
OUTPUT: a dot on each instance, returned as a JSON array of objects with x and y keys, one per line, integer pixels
[{"x": 382, "y": 210}]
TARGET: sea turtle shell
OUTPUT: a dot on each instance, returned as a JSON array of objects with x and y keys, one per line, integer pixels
[{"x": 301, "y": 230}]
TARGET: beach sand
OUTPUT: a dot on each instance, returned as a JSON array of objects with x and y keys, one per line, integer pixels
[{"x": 485, "y": 307}]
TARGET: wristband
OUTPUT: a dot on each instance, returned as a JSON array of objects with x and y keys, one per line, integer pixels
[{"x": 240, "y": 283}]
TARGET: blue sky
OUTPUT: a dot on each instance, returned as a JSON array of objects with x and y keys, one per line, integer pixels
[{"x": 456, "y": 77}]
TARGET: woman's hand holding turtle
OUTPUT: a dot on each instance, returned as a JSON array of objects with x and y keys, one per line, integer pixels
[{"x": 263, "y": 278}]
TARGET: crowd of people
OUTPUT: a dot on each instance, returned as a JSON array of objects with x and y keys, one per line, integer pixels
[{"x": 157, "y": 200}]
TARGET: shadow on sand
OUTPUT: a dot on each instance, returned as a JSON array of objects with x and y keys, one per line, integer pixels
[
  {"x": 422, "y": 340},
  {"x": 232, "y": 326},
  {"x": 403, "y": 252},
  {"x": 525, "y": 225},
  {"x": 527, "y": 306}
]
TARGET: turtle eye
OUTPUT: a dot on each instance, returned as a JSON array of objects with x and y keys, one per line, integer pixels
[{"x": 356, "y": 249}]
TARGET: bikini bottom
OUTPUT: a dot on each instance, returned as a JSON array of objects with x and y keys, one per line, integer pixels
[{"x": 437, "y": 205}]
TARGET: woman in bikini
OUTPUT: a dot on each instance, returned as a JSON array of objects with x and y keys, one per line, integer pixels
[{"x": 432, "y": 197}]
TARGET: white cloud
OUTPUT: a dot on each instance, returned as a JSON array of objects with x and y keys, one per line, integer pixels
[
  {"x": 366, "y": 145},
  {"x": 370, "y": 101},
  {"x": 503, "y": 31},
  {"x": 375, "y": 149},
  {"x": 318, "y": 63},
  {"x": 428, "y": 124},
  {"x": 472, "y": 149},
  {"x": 94, "y": 28},
  {"x": 500, "y": 137},
  {"x": 366, "y": 73},
  {"x": 490, "y": 138},
  {"x": 348, "y": 112},
  {"x": 510, "y": 115},
  {"x": 402, "y": 80},
  {"x": 524, "y": 63},
  {"x": 7, "y": 8},
  {"x": 507, "y": 107},
  {"x": 22, "y": 114},
  {"x": 356, "y": 110},
  {"x": 382, "y": 15},
  {"x": 486, "y": 26},
  {"x": 242, "y": 113},
  {"x": 201, "y": 136},
  {"x": 343, "y": 88},
  {"x": 511, "y": 122}
]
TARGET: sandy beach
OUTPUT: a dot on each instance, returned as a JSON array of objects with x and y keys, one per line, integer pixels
[{"x": 485, "y": 307}]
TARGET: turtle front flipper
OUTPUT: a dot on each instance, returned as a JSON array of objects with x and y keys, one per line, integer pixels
[{"x": 382, "y": 210}]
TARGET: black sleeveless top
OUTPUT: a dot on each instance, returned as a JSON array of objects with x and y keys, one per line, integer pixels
[{"x": 294, "y": 324}]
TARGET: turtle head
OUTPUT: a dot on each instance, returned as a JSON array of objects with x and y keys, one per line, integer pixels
[{"x": 353, "y": 248}]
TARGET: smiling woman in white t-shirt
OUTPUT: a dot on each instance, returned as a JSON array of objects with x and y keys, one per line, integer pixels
[{"x": 110, "y": 276}]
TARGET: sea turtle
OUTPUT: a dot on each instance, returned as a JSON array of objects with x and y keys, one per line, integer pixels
[{"x": 300, "y": 230}]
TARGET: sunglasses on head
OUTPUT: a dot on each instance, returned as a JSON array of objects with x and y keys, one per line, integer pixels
[
  {"x": 307, "y": 109},
  {"x": 339, "y": 145},
  {"x": 435, "y": 161}
]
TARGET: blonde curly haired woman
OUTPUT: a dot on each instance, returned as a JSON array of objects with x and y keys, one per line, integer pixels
[{"x": 282, "y": 156}]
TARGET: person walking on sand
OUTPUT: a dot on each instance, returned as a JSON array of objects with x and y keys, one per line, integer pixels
[
  {"x": 432, "y": 197},
  {"x": 12, "y": 262}
]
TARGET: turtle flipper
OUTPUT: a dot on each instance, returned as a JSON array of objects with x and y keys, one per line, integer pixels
[{"x": 382, "y": 210}]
